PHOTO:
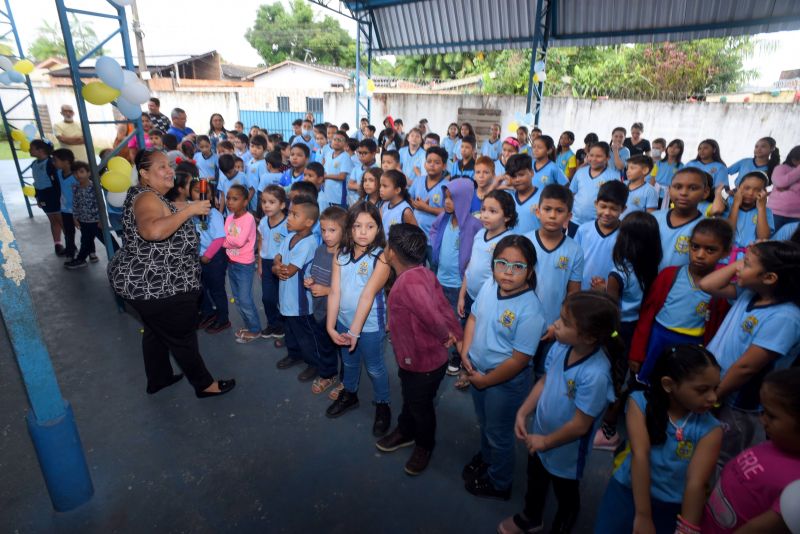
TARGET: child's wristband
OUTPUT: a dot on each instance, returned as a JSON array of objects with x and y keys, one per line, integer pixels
[
  {"x": 351, "y": 334},
  {"x": 684, "y": 527}
]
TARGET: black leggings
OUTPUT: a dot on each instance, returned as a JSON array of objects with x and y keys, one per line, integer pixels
[{"x": 567, "y": 494}]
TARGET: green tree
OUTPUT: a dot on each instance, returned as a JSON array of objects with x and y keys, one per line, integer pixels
[
  {"x": 50, "y": 42},
  {"x": 278, "y": 35}
]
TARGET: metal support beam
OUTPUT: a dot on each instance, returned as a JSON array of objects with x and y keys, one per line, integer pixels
[
  {"x": 77, "y": 85},
  {"x": 6, "y": 17},
  {"x": 364, "y": 40},
  {"x": 541, "y": 38}
]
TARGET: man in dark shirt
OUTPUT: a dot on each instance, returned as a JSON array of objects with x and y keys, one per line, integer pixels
[{"x": 159, "y": 120}]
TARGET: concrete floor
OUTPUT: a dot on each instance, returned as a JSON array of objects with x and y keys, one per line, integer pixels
[{"x": 261, "y": 459}]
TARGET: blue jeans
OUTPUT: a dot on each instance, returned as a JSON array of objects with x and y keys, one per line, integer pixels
[
  {"x": 215, "y": 299},
  {"x": 240, "y": 276},
  {"x": 496, "y": 408},
  {"x": 269, "y": 294},
  {"x": 617, "y": 511},
  {"x": 369, "y": 350}
]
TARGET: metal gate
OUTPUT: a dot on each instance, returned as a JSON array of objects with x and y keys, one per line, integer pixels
[{"x": 274, "y": 121}]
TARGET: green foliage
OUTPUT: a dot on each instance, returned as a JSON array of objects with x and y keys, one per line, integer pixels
[
  {"x": 50, "y": 43},
  {"x": 278, "y": 35}
]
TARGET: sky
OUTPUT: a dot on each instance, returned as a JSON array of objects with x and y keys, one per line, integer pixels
[{"x": 221, "y": 24}]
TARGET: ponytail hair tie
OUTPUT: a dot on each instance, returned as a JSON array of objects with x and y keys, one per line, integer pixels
[{"x": 614, "y": 334}]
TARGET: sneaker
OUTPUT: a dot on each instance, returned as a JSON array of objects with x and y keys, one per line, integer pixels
[
  {"x": 205, "y": 322},
  {"x": 518, "y": 524},
  {"x": 216, "y": 328},
  {"x": 273, "y": 331},
  {"x": 483, "y": 487},
  {"x": 93, "y": 258},
  {"x": 347, "y": 401},
  {"x": 475, "y": 468},
  {"x": 75, "y": 264},
  {"x": 453, "y": 365},
  {"x": 418, "y": 462},
  {"x": 604, "y": 443},
  {"x": 60, "y": 250},
  {"x": 393, "y": 441},
  {"x": 383, "y": 419},
  {"x": 307, "y": 374},
  {"x": 288, "y": 361}
]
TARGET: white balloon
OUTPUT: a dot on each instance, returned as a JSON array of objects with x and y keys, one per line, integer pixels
[
  {"x": 4, "y": 78},
  {"x": 122, "y": 3},
  {"x": 128, "y": 77},
  {"x": 129, "y": 109},
  {"x": 136, "y": 93},
  {"x": 110, "y": 72},
  {"x": 116, "y": 199},
  {"x": 5, "y": 63},
  {"x": 790, "y": 506},
  {"x": 30, "y": 131},
  {"x": 134, "y": 175}
]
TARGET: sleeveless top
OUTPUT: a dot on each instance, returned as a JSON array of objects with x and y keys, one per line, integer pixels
[
  {"x": 149, "y": 270},
  {"x": 353, "y": 275}
]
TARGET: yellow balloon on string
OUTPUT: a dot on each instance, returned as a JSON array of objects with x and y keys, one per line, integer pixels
[
  {"x": 120, "y": 165},
  {"x": 99, "y": 94},
  {"x": 18, "y": 135},
  {"x": 370, "y": 86},
  {"x": 23, "y": 66},
  {"x": 29, "y": 191},
  {"x": 25, "y": 145},
  {"x": 115, "y": 182},
  {"x": 513, "y": 127}
]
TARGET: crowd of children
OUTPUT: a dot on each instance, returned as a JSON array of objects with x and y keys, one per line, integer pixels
[{"x": 613, "y": 296}]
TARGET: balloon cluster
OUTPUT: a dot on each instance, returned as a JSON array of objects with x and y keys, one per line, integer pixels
[
  {"x": 24, "y": 136},
  {"x": 14, "y": 72},
  {"x": 521, "y": 119},
  {"x": 116, "y": 180},
  {"x": 366, "y": 86},
  {"x": 538, "y": 72},
  {"x": 117, "y": 85}
]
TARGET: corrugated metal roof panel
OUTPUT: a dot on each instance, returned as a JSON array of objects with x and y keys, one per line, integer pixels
[{"x": 438, "y": 26}]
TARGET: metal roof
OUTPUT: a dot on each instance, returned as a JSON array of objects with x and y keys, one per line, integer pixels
[{"x": 437, "y": 26}]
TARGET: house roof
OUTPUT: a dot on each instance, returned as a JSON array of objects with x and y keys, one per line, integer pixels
[
  {"x": 155, "y": 63},
  {"x": 239, "y": 72},
  {"x": 328, "y": 69}
]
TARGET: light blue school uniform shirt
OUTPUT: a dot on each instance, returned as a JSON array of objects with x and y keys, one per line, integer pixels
[
  {"x": 686, "y": 306},
  {"x": 716, "y": 169},
  {"x": 256, "y": 169},
  {"x": 41, "y": 180},
  {"x": 631, "y": 293},
  {"x": 448, "y": 273},
  {"x": 355, "y": 160},
  {"x": 527, "y": 221},
  {"x": 207, "y": 167},
  {"x": 548, "y": 174},
  {"x": 272, "y": 237},
  {"x": 311, "y": 143},
  {"x": 773, "y": 327},
  {"x": 355, "y": 176},
  {"x": 562, "y": 160},
  {"x": 586, "y": 386},
  {"x": 335, "y": 192},
  {"x": 584, "y": 187},
  {"x": 674, "y": 239},
  {"x": 503, "y": 325},
  {"x": 624, "y": 155},
  {"x": 246, "y": 155},
  {"x": 316, "y": 156},
  {"x": 393, "y": 214},
  {"x": 354, "y": 273},
  {"x": 453, "y": 147},
  {"x": 215, "y": 229},
  {"x": 499, "y": 168},
  {"x": 526, "y": 149},
  {"x": 456, "y": 170},
  {"x": 664, "y": 173},
  {"x": 598, "y": 251},
  {"x": 435, "y": 198},
  {"x": 67, "y": 189},
  {"x": 288, "y": 177},
  {"x": 743, "y": 167},
  {"x": 224, "y": 186},
  {"x": 642, "y": 198},
  {"x": 670, "y": 460},
  {"x": 746, "y": 224},
  {"x": 325, "y": 153},
  {"x": 492, "y": 150},
  {"x": 785, "y": 232},
  {"x": 479, "y": 269},
  {"x": 294, "y": 300},
  {"x": 269, "y": 178},
  {"x": 555, "y": 269},
  {"x": 408, "y": 161}
]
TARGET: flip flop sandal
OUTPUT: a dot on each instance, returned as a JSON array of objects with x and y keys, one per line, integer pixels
[{"x": 320, "y": 384}]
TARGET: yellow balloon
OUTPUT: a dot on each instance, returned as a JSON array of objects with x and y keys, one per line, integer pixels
[
  {"x": 115, "y": 182},
  {"x": 536, "y": 78},
  {"x": 18, "y": 135},
  {"x": 119, "y": 165},
  {"x": 370, "y": 86},
  {"x": 29, "y": 191},
  {"x": 98, "y": 93},
  {"x": 513, "y": 127},
  {"x": 25, "y": 145},
  {"x": 23, "y": 66}
]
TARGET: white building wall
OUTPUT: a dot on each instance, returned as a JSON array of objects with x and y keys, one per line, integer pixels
[{"x": 294, "y": 76}]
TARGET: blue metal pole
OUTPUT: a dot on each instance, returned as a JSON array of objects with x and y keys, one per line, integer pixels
[
  {"x": 51, "y": 422},
  {"x": 537, "y": 37},
  {"x": 127, "y": 52},
  {"x": 358, "y": 72}
]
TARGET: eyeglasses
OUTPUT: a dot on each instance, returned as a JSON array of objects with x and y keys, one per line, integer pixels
[{"x": 510, "y": 267}]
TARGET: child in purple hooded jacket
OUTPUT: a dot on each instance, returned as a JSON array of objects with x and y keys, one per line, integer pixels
[{"x": 452, "y": 233}]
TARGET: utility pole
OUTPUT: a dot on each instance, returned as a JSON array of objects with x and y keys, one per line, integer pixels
[{"x": 139, "y": 34}]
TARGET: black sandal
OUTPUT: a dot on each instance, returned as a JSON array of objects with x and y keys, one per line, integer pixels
[{"x": 224, "y": 387}]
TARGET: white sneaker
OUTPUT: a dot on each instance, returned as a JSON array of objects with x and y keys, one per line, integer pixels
[{"x": 93, "y": 258}]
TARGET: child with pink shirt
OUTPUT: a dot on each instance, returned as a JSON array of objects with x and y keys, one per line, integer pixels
[
  {"x": 747, "y": 495},
  {"x": 240, "y": 243}
]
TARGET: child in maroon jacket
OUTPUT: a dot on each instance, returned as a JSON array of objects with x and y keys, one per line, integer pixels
[{"x": 418, "y": 309}]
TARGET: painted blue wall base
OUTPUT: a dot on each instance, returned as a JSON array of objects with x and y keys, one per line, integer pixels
[{"x": 58, "y": 447}]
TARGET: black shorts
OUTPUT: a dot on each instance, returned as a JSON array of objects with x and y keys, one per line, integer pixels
[{"x": 49, "y": 200}]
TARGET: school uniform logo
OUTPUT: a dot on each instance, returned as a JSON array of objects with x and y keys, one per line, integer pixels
[
  {"x": 637, "y": 202},
  {"x": 572, "y": 388},
  {"x": 684, "y": 450},
  {"x": 682, "y": 245},
  {"x": 437, "y": 198},
  {"x": 508, "y": 318},
  {"x": 749, "y": 324},
  {"x": 712, "y": 170},
  {"x": 278, "y": 237},
  {"x": 533, "y": 208},
  {"x": 562, "y": 263},
  {"x": 755, "y": 219},
  {"x": 363, "y": 268},
  {"x": 701, "y": 308}
]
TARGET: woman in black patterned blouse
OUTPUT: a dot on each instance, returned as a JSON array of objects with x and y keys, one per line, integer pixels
[{"x": 157, "y": 272}]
